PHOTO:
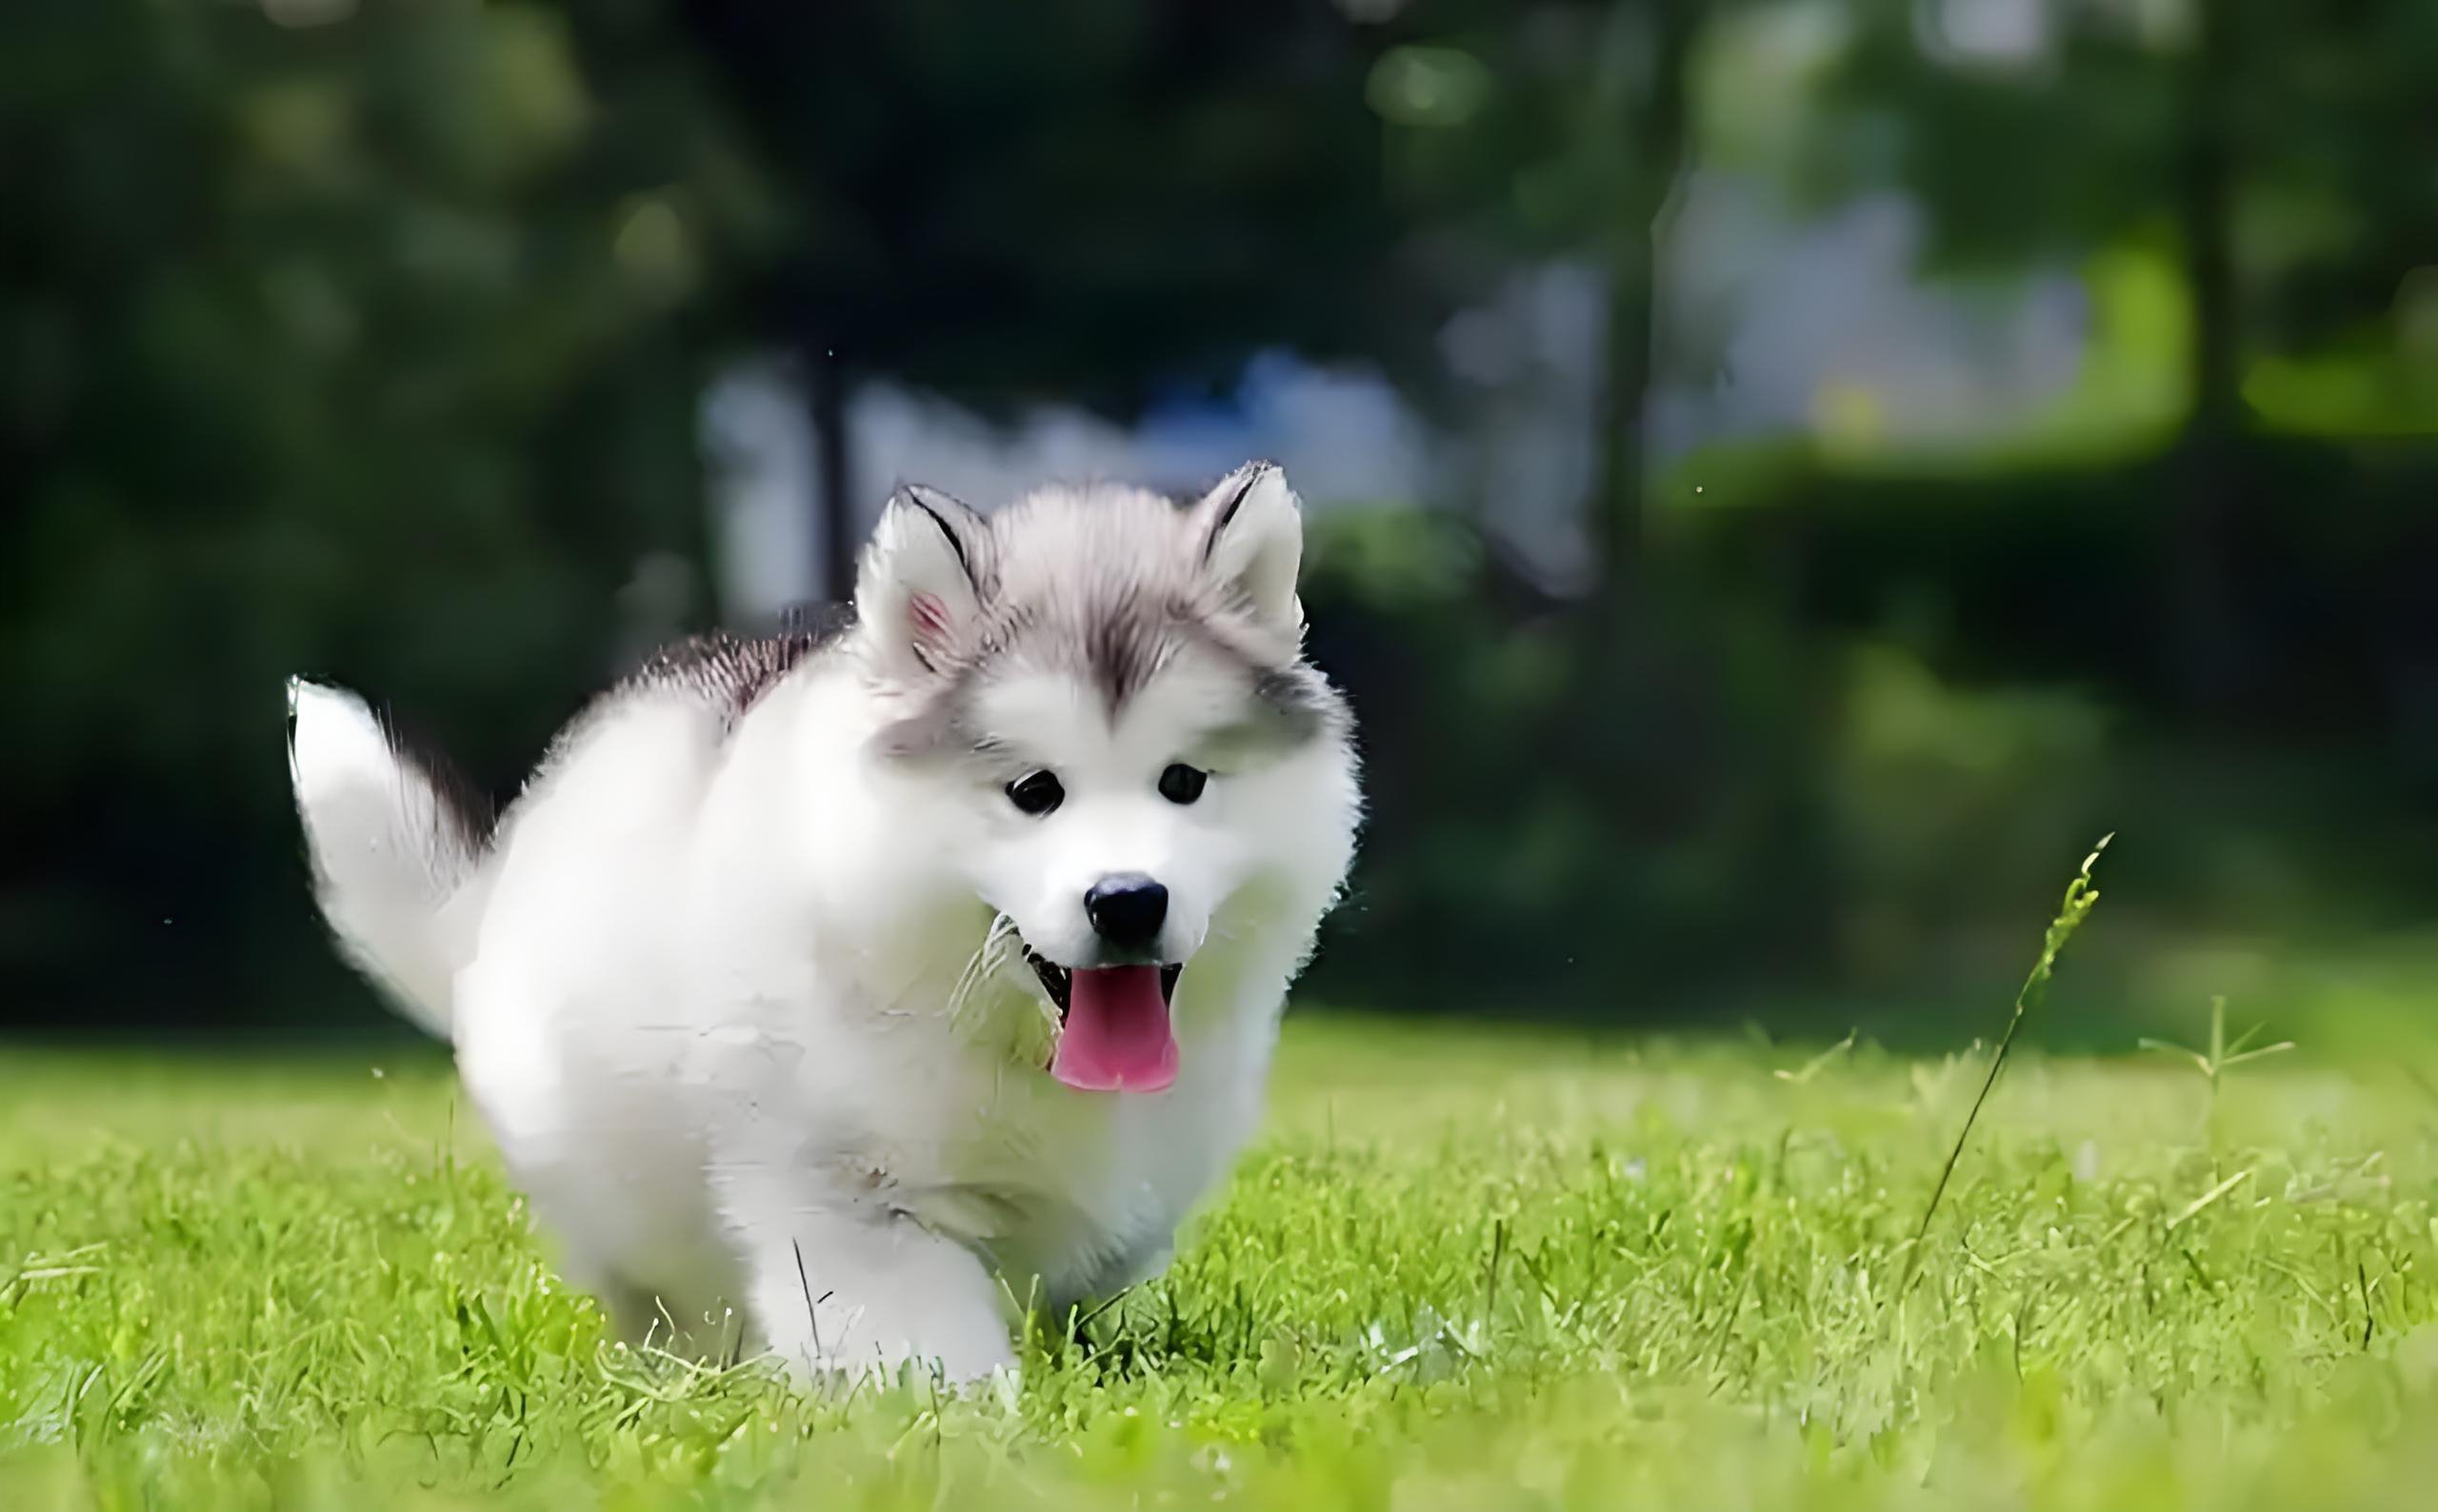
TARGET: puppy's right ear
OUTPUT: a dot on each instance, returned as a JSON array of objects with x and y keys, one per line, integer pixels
[{"x": 918, "y": 591}]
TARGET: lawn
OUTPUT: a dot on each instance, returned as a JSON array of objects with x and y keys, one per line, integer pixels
[{"x": 1462, "y": 1268}]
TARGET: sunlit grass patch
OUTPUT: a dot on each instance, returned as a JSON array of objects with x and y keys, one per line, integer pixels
[{"x": 1463, "y": 1267}]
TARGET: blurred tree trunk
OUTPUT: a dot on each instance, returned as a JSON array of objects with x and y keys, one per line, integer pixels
[
  {"x": 1656, "y": 126},
  {"x": 2209, "y": 471},
  {"x": 833, "y": 478}
]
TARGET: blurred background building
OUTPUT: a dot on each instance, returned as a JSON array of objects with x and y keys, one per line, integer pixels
[{"x": 1785, "y": 474}]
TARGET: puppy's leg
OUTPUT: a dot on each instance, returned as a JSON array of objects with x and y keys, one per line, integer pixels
[{"x": 861, "y": 1292}]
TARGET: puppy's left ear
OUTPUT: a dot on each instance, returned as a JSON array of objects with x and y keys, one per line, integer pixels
[{"x": 1252, "y": 540}]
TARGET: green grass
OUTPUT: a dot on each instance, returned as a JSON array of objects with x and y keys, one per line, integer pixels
[{"x": 1461, "y": 1269}]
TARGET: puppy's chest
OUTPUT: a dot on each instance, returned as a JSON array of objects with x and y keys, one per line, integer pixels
[{"x": 1068, "y": 1189}]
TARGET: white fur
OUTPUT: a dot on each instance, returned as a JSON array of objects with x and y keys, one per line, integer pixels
[
  {"x": 737, "y": 1006},
  {"x": 387, "y": 862}
]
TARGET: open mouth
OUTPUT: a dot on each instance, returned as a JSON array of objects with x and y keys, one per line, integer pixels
[
  {"x": 1060, "y": 981},
  {"x": 1113, "y": 1024}
]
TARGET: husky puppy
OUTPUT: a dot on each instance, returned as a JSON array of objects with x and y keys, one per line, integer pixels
[{"x": 854, "y": 994}]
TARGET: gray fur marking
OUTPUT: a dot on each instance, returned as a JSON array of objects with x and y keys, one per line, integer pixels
[
  {"x": 729, "y": 672},
  {"x": 1111, "y": 583}
]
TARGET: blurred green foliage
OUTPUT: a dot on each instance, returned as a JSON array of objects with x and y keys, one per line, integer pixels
[
  {"x": 1861, "y": 724},
  {"x": 362, "y": 350},
  {"x": 1078, "y": 201},
  {"x": 1557, "y": 818},
  {"x": 1092, "y": 201},
  {"x": 2098, "y": 124}
]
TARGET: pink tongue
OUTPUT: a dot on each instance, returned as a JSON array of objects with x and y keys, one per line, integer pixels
[{"x": 1117, "y": 1032}]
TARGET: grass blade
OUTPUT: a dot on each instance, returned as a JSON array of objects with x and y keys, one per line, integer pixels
[{"x": 2080, "y": 898}]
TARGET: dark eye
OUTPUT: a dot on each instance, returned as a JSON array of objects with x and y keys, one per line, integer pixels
[
  {"x": 1037, "y": 794},
  {"x": 1181, "y": 784}
]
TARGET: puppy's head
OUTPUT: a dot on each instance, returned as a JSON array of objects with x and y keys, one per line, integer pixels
[{"x": 1143, "y": 766}]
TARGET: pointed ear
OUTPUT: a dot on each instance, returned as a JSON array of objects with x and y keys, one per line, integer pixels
[
  {"x": 919, "y": 587},
  {"x": 1252, "y": 540}
]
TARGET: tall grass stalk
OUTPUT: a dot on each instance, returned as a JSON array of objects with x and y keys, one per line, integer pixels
[{"x": 2081, "y": 895}]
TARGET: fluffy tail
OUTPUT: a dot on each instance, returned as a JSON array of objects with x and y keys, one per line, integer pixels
[{"x": 393, "y": 834}]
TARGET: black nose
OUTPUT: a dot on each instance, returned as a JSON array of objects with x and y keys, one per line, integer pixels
[{"x": 1127, "y": 910}]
